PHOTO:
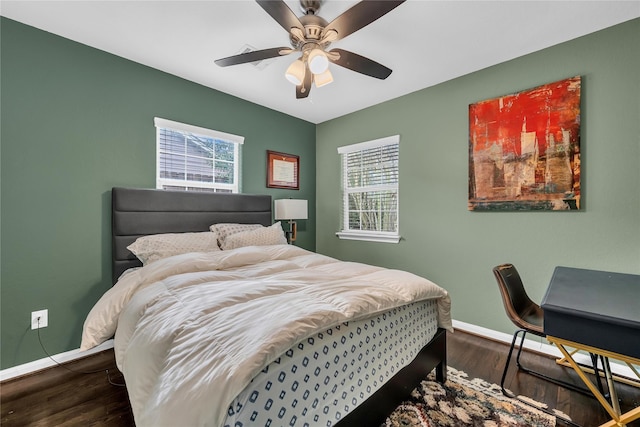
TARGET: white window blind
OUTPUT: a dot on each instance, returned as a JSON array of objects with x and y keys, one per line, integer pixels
[
  {"x": 370, "y": 182},
  {"x": 192, "y": 158}
]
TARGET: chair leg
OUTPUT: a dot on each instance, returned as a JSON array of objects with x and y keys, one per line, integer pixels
[
  {"x": 506, "y": 365},
  {"x": 520, "y": 351},
  {"x": 520, "y": 367},
  {"x": 532, "y": 372},
  {"x": 594, "y": 362},
  {"x": 513, "y": 396}
]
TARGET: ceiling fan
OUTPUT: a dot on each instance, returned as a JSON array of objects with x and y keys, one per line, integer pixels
[{"x": 310, "y": 35}]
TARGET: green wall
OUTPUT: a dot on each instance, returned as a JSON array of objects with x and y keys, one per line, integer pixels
[
  {"x": 457, "y": 248},
  {"x": 76, "y": 122}
]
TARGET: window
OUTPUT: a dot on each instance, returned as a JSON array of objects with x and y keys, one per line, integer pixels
[
  {"x": 370, "y": 190},
  {"x": 192, "y": 158}
]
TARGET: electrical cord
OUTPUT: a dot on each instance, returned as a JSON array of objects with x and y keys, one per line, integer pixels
[{"x": 73, "y": 370}]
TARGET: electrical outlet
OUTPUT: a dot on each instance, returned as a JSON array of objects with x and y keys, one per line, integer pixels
[{"x": 44, "y": 319}]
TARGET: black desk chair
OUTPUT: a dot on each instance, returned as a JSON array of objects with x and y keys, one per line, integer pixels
[{"x": 528, "y": 317}]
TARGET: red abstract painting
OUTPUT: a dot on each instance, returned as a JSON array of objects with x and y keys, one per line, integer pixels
[{"x": 524, "y": 149}]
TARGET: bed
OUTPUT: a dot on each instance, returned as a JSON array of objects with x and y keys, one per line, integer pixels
[{"x": 257, "y": 334}]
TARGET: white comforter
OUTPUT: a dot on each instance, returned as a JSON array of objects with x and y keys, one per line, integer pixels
[{"x": 194, "y": 329}]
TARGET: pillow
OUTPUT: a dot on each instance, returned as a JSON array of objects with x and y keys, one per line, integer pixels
[
  {"x": 263, "y": 236},
  {"x": 151, "y": 248},
  {"x": 224, "y": 230}
]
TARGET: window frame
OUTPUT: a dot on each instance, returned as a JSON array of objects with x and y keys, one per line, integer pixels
[
  {"x": 184, "y": 128},
  {"x": 368, "y": 235}
]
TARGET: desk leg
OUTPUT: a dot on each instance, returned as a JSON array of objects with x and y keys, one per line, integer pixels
[
  {"x": 605, "y": 404},
  {"x": 611, "y": 384},
  {"x": 634, "y": 414},
  {"x": 635, "y": 371},
  {"x": 613, "y": 409}
]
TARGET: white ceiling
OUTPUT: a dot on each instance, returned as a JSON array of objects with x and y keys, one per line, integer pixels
[{"x": 423, "y": 42}]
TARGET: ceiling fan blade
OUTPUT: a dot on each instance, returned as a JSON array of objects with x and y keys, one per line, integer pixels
[
  {"x": 279, "y": 11},
  {"x": 359, "y": 64},
  {"x": 303, "y": 89},
  {"x": 361, "y": 15},
  {"x": 255, "y": 55}
]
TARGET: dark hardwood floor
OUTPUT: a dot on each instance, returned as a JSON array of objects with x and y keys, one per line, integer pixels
[
  {"x": 59, "y": 397},
  {"x": 485, "y": 359}
]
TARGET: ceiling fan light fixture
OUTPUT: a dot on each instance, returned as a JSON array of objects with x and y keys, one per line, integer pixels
[
  {"x": 295, "y": 72},
  {"x": 310, "y": 35},
  {"x": 323, "y": 79},
  {"x": 318, "y": 61}
]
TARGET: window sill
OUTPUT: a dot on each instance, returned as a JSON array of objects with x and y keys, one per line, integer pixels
[{"x": 369, "y": 237}]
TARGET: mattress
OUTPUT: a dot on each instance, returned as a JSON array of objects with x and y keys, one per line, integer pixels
[
  {"x": 195, "y": 332},
  {"x": 321, "y": 379}
]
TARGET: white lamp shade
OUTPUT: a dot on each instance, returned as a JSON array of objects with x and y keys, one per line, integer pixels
[
  {"x": 290, "y": 209},
  {"x": 295, "y": 72},
  {"x": 318, "y": 61},
  {"x": 323, "y": 79}
]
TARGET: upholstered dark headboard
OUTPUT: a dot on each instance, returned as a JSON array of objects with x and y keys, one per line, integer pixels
[{"x": 138, "y": 212}]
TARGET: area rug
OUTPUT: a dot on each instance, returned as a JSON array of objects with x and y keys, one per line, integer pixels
[{"x": 462, "y": 402}]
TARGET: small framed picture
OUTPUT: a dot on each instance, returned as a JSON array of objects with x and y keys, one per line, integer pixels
[{"x": 283, "y": 170}]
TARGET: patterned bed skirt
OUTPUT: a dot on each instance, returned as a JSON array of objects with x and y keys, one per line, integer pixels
[{"x": 322, "y": 378}]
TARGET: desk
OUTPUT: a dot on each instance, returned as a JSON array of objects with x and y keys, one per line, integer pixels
[{"x": 598, "y": 312}]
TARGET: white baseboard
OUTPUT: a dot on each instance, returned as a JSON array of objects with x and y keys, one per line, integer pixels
[
  {"x": 541, "y": 346},
  {"x": 533, "y": 345},
  {"x": 38, "y": 365}
]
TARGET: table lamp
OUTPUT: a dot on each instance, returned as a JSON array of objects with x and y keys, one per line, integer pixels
[{"x": 290, "y": 210}]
